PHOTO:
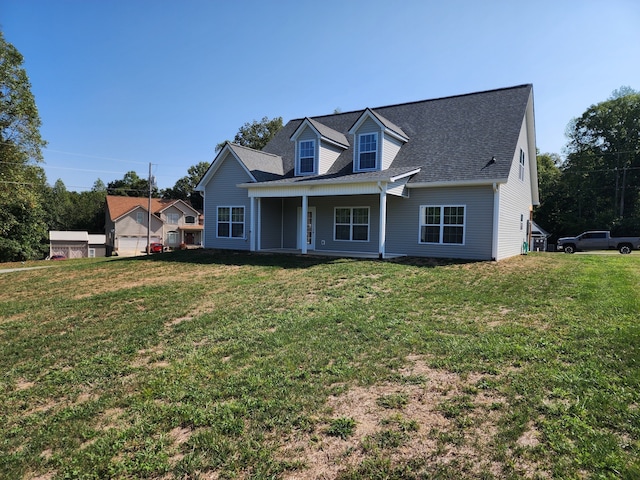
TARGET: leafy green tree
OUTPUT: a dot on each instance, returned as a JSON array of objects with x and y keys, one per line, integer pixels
[
  {"x": 23, "y": 232},
  {"x": 131, "y": 185},
  {"x": 184, "y": 187},
  {"x": 89, "y": 208},
  {"x": 549, "y": 178},
  {"x": 255, "y": 134},
  {"x": 602, "y": 170},
  {"x": 59, "y": 207}
]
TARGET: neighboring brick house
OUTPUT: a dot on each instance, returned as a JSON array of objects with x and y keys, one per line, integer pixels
[
  {"x": 173, "y": 222},
  {"x": 452, "y": 177}
]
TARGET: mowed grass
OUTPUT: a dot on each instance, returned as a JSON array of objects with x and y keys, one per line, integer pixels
[{"x": 208, "y": 365}]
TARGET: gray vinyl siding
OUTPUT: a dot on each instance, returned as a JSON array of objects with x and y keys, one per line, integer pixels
[
  {"x": 328, "y": 155},
  {"x": 403, "y": 222},
  {"x": 515, "y": 201},
  {"x": 271, "y": 216},
  {"x": 290, "y": 222},
  {"x": 325, "y": 217},
  {"x": 308, "y": 134},
  {"x": 222, "y": 191},
  {"x": 368, "y": 126},
  {"x": 390, "y": 149}
]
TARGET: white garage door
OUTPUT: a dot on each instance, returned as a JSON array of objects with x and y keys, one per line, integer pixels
[{"x": 134, "y": 245}]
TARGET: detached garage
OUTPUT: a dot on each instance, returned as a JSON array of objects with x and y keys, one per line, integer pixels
[{"x": 76, "y": 244}]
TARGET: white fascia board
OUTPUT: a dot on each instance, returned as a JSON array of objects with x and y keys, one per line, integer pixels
[
  {"x": 305, "y": 123},
  {"x": 402, "y": 175},
  {"x": 368, "y": 113},
  {"x": 532, "y": 153},
  {"x": 216, "y": 165},
  {"x": 130, "y": 211},
  {"x": 313, "y": 190},
  {"x": 456, "y": 183},
  {"x": 186, "y": 205}
]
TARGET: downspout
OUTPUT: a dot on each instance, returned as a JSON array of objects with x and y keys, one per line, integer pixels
[{"x": 496, "y": 221}]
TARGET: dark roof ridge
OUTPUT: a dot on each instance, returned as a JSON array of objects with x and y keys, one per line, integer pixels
[{"x": 447, "y": 97}]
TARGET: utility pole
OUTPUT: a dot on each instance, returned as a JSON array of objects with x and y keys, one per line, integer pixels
[{"x": 149, "y": 215}]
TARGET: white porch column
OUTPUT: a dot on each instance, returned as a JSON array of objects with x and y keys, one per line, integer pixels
[
  {"x": 252, "y": 220},
  {"x": 383, "y": 223},
  {"x": 258, "y": 223},
  {"x": 303, "y": 224}
]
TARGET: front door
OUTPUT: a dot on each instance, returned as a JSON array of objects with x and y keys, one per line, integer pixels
[{"x": 310, "y": 231}]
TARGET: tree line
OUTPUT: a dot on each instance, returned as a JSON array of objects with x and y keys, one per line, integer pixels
[{"x": 596, "y": 186}]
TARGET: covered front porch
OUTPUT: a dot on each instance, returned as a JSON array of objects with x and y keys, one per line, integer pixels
[{"x": 324, "y": 216}]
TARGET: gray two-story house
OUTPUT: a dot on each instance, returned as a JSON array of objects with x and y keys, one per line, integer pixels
[{"x": 451, "y": 177}]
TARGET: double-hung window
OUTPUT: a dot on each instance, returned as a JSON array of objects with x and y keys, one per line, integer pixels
[
  {"x": 231, "y": 222},
  {"x": 140, "y": 217},
  {"x": 522, "y": 163},
  {"x": 306, "y": 157},
  {"x": 173, "y": 238},
  {"x": 442, "y": 224},
  {"x": 352, "y": 224},
  {"x": 367, "y": 151},
  {"x": 173, "y": 218}
]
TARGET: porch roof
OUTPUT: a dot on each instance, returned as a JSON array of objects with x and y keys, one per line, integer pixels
[{"x": 389, "y": 175}]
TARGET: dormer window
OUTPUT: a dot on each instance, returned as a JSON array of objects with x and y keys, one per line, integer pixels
[
  {"x": 306, "y": 157},
  {"x": 368, "y": 151}
]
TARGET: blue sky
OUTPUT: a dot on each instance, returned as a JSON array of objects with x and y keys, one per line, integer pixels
[{"x": 123, "y": 83}]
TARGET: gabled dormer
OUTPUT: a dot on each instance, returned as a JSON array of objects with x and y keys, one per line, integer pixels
[
  {"x": 316, "y": 147},
  {"x": 377, "y": 141}
]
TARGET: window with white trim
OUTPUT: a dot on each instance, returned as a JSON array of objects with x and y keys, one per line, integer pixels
[
  {"x": 172, "y": 238},
  {"x": 173, "y": 218},
  {"x": 367, "y": 151},
  {"x": 190, "y": 219},
  {"x": 140, "y": 217},
  {"x": 442, "y": 224},
  {"x": 306, "y": 157},
  {"x": 230, "y": 222},
  {"x": 522, "y": 164},
  {"x": 351, "y": 224}
]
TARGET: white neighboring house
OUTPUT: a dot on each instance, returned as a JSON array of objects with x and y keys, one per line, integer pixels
[{"x": 74, "y": 244}]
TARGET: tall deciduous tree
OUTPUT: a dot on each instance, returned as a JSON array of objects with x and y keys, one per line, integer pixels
[
  {"x": 602, "y": 170},
  {"x": 131, "y": 185},
  {"x": 549, "y": 178},
  {"x": 22, "y": 228},
  {"x": 255, "y": 134},
  {"x": 184, "y": 187}
]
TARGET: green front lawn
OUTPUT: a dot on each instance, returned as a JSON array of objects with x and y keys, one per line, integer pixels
[{"x": 203, "y": 365}]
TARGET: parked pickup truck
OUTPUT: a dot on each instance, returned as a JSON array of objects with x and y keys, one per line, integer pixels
[{"x": 598, "y": 240}]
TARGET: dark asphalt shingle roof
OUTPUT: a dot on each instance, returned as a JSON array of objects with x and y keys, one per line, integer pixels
[
  {"x": 329, "y": 133},
  {"x": 451, "y": 139},
  {"x": 262, "y": 165},
  {"x": 373, "y": 176}
]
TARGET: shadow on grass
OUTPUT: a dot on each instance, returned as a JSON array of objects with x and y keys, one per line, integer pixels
[{"x": 281, "y": 260}]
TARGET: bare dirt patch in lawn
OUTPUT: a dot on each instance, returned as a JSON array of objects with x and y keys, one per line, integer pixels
[{"x": 326, "y": 456}]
